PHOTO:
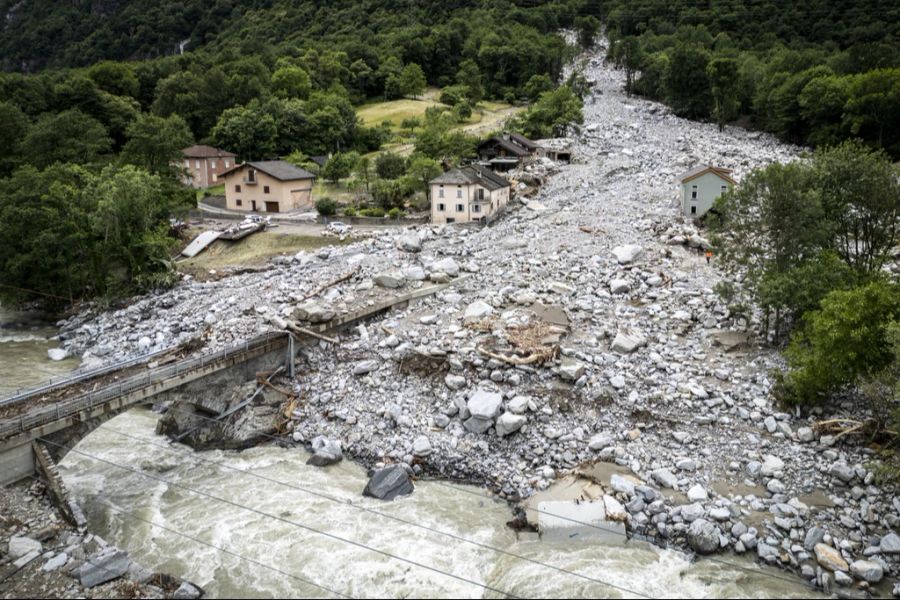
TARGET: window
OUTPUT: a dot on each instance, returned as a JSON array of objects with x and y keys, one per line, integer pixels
[
  {"x": 251, "y": 176},
  {"x": 693, "y": 210},
  {"x": 459, "y": 191},
  {"x": 237, "y": 189},
  {"x": 441, "y": 192},
  {"x": 215, "y": 177},
  {"x": 265, "y": 189},
  {"x": 187, "y": 163},
  {"x": 724, "y": 188},
  {"x": 239, "y": 203},
  {"x": 213, "y": 163},
  {"x": 693, "y": 192},
  {"x": 226, "y": 163},
  {"x": 479, "y": 194},
  {"x": 460, "y": 208},
  {"x": 476, "y": 208},
  {"x": 442, "y": 207},
  {"x": 197, "y": 164}
]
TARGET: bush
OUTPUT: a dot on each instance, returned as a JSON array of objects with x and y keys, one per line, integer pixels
[
  {"x": 847, "y": 339},
  {"x": 452, "y": 94},
  {"x": 349, "y": 212},
  {"x": 371, "y": 212},
  {"x": 462, "y": 111},
  {"x": 326, "y": 207},
  {"x": 396, "y": 213}
]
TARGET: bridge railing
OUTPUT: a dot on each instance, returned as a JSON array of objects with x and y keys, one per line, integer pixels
[
  {"x": 79, "y": 375},
  {"x": 90, "y": 400}
]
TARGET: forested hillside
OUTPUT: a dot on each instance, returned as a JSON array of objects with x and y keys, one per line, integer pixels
[
  {"x": 98, "y": 96},
  {"x": 811, "y": 72}
]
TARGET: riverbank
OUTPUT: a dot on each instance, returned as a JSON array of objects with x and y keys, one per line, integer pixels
[
  {"x": 42, "y": 556},
  {"x": 639, "y": 363}
]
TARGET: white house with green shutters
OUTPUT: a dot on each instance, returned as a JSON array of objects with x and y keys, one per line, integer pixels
[{"x": 701, "y": 186}]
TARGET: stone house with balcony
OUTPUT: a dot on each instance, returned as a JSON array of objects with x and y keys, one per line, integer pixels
[
  {"x": 203, "y": 165},
  {"x": 468, "y": 194},
  {"x": 271, "y": 186}
]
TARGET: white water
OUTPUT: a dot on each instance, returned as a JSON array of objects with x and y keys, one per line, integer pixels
[{"x": 338, "y": 565}]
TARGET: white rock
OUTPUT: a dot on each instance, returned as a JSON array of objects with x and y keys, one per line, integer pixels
[
  {"x": 626, "y": 341},
  {"x": 508, "y": 423},
  {"x": 57, "y": 354},
  {"x": 19, "y": 546},
  {"x": 619, "y": 286},
  {"x": 484, "y": 404},
  {"x": 478, "y": 310},
  {"x": 627, "y": 254},
  {"x": 697, "y": 493}
]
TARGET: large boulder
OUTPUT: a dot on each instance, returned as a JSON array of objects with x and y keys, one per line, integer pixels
[
  {"x": 313, "y": 312},
  {"x": 890, "y": 544},
  {"x": 57, "y": 354},
  {"x": 665, "y": 478},
  {"x": 571, "y": 370},
  {"x": 391, "y": 279},
  {"x": 703, "y": 537},
  {"x": 829, "y": 558},
  {"x": 389, "y": 483},
  {"x": 109, "y": 564},
  {"x": 771, "y": 465},
  {"x": 478, "y": 310},
  {"x": 867, "y": 570},
  {"x": 509, "y": 423},
  {"x": 325, "y": 452},
  {"x": 447, "y": 266},
  {"x": 409, "y": 243},
  {"x": 627, "y": 254},
  {"x": 20, "y": 546},
  {"x": 484, "y": 404},
  {"x": 627, "y": 342}
]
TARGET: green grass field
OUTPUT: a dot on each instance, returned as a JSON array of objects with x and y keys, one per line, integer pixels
[{"x": 486, "y": 117}]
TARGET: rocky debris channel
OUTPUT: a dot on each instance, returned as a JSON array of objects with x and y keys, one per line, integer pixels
[{"x": 586, "y": 330}]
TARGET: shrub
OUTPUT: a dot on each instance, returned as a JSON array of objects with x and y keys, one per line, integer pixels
[
  {"x": 842, "y": 342},
  {"x": 349, "y": 212},
  {"x": 396, "y": 213},
  {"x": 326, "y": 207},
  {"x": 371, "y": 212}
]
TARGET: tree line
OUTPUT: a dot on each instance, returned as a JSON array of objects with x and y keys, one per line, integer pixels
[
  {"x": 94, "y": 92},
  {"x": 812, "y": 73},
  {"x": 810, "y": 243}
]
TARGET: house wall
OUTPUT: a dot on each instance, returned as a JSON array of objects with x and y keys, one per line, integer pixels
[
  {"x": 495, "y": 201},
  {"x": 204, "y": 172},
  {"x": 290, "y": 195},
  {"x": 708, "y": 188}
]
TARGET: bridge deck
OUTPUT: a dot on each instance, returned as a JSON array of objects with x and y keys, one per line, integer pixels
[{"x": 38, "y": 413}]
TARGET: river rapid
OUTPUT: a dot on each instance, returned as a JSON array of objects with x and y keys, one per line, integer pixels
[
  {"x": 189, "y": 510},
  {"x": 24, "y": 340}
]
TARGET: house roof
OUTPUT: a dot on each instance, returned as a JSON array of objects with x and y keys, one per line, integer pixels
[
  {"x": 281, "y": 170},
  {"x": 701, "y": 170},
  {"x": 201, "y": 151},
  {"x": 506, "y": 145},
  {"x": 470, "y": 174},
  {"x": 523, "y": 141}
]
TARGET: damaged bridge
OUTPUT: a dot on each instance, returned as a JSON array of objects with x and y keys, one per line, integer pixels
[{"x": 73, "y": 412}]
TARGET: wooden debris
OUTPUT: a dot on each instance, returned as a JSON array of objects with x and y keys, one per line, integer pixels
[{"x": 331, "y": 283}]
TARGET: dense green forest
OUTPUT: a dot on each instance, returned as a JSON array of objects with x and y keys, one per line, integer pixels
[
  {"x": 811, "y": 72},
  {"x": 96, "y": 91}
]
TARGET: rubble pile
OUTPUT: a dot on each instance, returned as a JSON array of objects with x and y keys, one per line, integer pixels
[{"x": 636, "y": 362}]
